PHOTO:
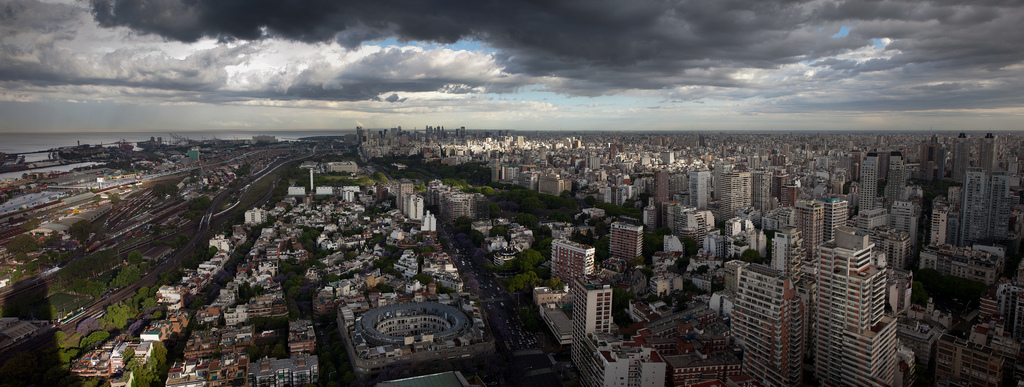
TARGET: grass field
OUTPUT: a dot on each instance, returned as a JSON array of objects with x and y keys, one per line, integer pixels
[{"x": 68, "y": 302}]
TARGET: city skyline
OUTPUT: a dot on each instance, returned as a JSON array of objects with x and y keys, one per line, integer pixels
[{"x": 706, "y": 66}]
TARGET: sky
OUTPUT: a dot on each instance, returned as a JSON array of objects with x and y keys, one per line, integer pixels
[{"x": 190, "y": 65}]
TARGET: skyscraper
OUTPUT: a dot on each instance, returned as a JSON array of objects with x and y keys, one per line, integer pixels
[
  {"x": 985, "y": 207},
  {"x": 989, "y": 157},
  {"x": 855, "y": 340},
  {"x": 661, "y": 192},
  {"x": 735, "y": 193},
  {"x": 700, "y": 186},
  {"x": 836, "y": 214},
  {"x": 761, "y": 190},
  {"x": 627, "y": 241},
  {"x": 571, "y": 260},
  {"x": 868, "y": 182},
  {"x": 721, "y": 167},
  {"x": 961, "y": 157},
  {"x": 768, "y": 322},
  {"x": 896, "y": 182},
  {"x": 810, "y": 219}
]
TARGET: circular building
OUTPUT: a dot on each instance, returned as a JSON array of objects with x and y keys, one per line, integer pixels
[{"x": 399, "y": 324}]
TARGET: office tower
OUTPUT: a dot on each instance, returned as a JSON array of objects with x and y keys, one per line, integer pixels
[
  {"x": 836, "y": 214},
  {"x": 571, "y": 260},
  {"x": 788, "y": 251},
  {"x": 761, "y": 190},
  {"x": 940, "y": 219},
  {"x": 940, "y": 163},
  {"x": 721, "y": 167},
  {"x": 662, "y": 180},
  {"x": 594, "y": 162},
  {"x": 591, "y": 313},
  {"x": 961, "y": 157},
  {"x": 985, "y": 207},
  {"x": 855, "y": 340},
  {"x": 495, "y": 170},
  {"x": 896, "y": 182},
  {"x": 810, "y": 219},
  {"x": 627, "y": 241},
  {"x": 735, "y": 193},
  {"x": 929, "y": 157},
  {"x": 700, "y": 188},
  {"x": 904, "y": 217},
  {"x": 868, "y": 182},
  {"x": 405, "y": 187},
  {"x": 989, "y": 156},
  {"x": 767, "y": 320}
]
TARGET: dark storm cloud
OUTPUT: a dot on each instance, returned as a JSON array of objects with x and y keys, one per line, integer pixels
[{"x": 634, "y": 42}]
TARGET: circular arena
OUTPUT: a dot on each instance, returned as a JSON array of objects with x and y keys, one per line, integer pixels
[{"x": 391, "y": 324}]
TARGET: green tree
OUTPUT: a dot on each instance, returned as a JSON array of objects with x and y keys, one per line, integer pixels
[
  {"x": 523, "y": 282},
  {"x": 423, "y": 278},
  {"x": 135, "y": 257},
  {"x": 23, "y": 244},
  {"x": 115, "y": 198},
  {"x": 527, "y": 260},
  {"x": 691, "y": 246},
  {"x": 80, "y": 230},
  {"x": 531, "y": 204},
  {"x": 590, "y": 200},
  {"x": 918, "y": 295},
  {"x": 526, "y": 220},
  {"x": 60, "y": 339},
  {"x": 751, "y": 256}
]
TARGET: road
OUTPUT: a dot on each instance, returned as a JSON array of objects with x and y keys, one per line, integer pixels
[{"x": 513, "y": 339}]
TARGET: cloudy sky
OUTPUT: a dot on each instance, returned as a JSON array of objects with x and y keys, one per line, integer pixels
[{"x": 153, "y": 65}]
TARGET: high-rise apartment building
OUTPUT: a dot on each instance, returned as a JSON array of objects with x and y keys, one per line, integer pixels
[
  {"x": 571, "y": 260},
  {"x": 700, "y": 188},
  {"x": 940, "y": 219},
  {"x": 761, "y": 190},
  {"x": 591, "y": 313},
  {"x": 735, "y": 193},
  {"x": 868, "y": 183},
  {"x": 767, "y": 321},
  {"x": 836, "y": 214},
  {"x": 721, "y": 167},
  {"x": 985, "y": 207},
  {"x": 627, "y": 241},
  {"x": 855, "y": 340},
  {"x": 989, "y": 156},
  {"x": 904, "y": 216},
  {"x": 403, "y": 188},
  {"x": 810, "y": 219},
  {"x": 961, "y": 157},
  {"x": 788, "y": 251},
  {"x": 896, "y": 182},
  {"x": 966, "y": 363}
]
